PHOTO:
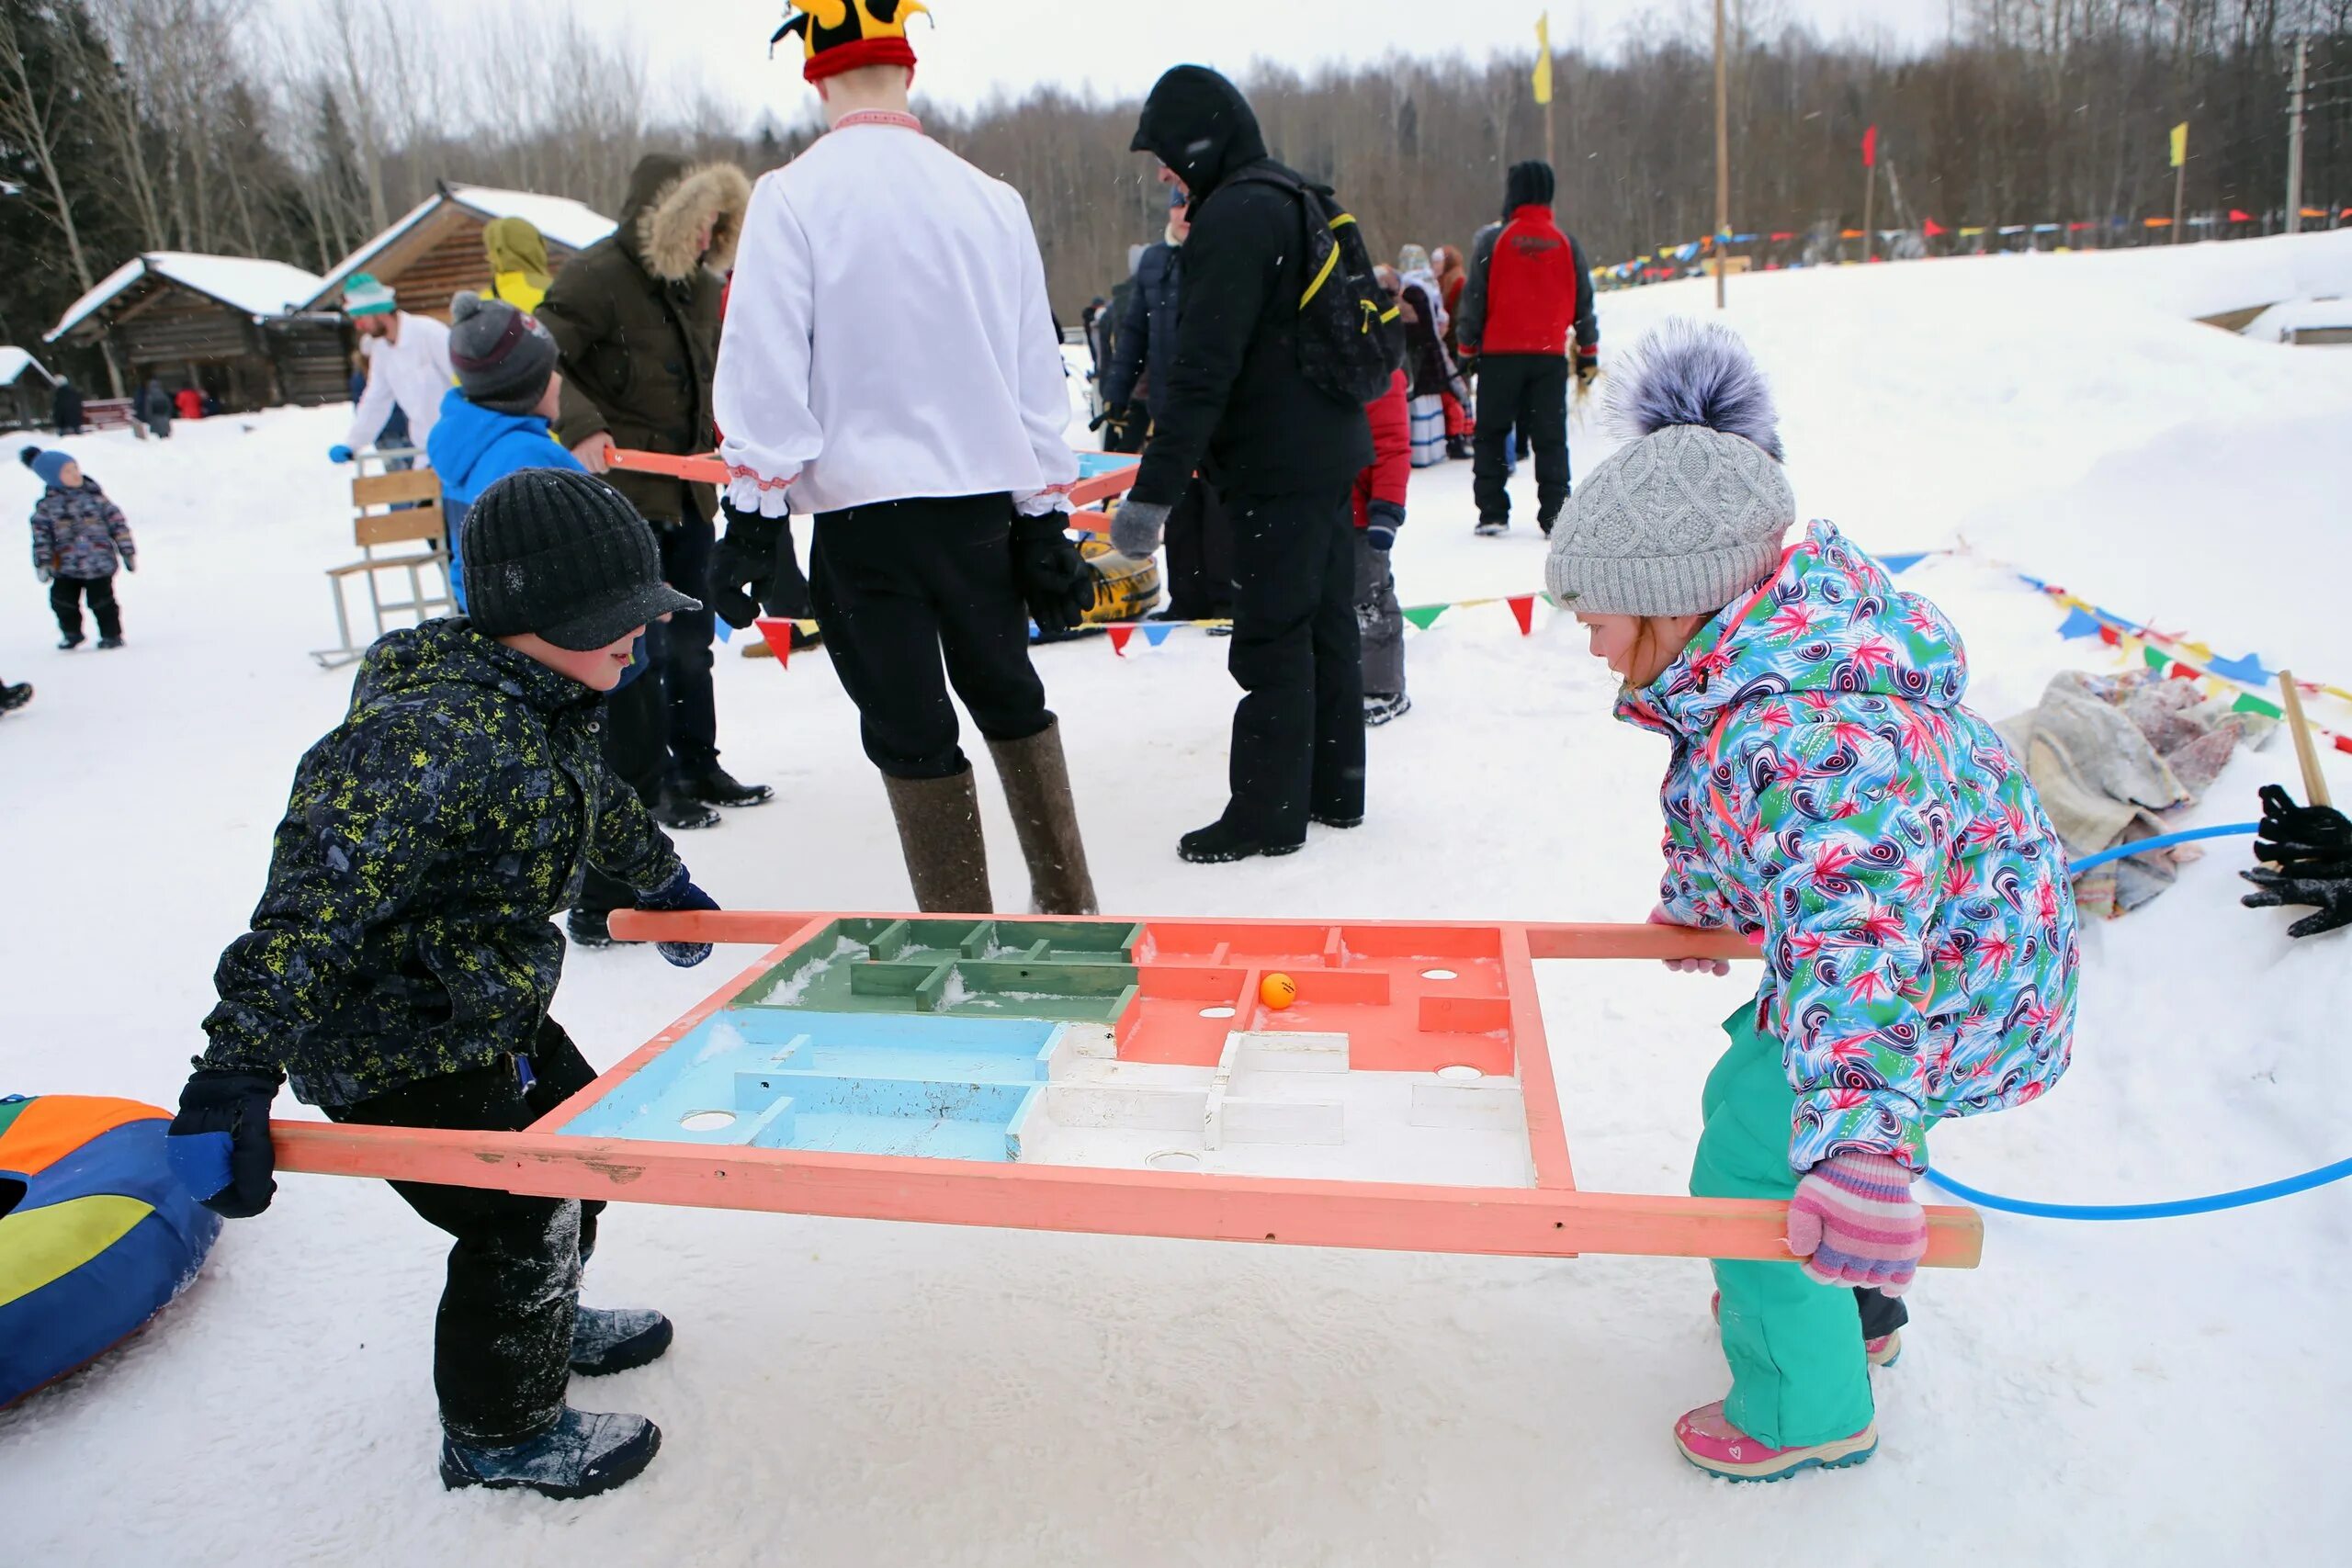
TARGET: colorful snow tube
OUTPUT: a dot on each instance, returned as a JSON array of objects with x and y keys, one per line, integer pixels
[{"x": 95, "y": 1233}]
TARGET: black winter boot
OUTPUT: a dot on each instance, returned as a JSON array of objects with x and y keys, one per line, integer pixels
[
  {"x": 580, "y": 1456},
  {"x": 14, "y": 697},
  {"x": 589, "y": 928},
  {"x": 678, "y": 814},
  {"x": 939, "y": 834},
  {"x": 710, "y": 784},
  {"x": 1220, "y": 843},
  {"x": 1036, "y": 786},
  {"x": 606, "y": 1341}
]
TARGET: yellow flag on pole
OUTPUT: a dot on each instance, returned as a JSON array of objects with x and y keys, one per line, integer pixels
[
  {"x": 2180, "y": 145},
  {"x": 1544, "y": 58}
]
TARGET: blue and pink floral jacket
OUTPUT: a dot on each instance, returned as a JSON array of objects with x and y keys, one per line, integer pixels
[{"x": 1830, "y": 798}]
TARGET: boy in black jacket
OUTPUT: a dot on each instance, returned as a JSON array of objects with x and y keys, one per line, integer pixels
[
  {"x": 403, "y": 954},
  {"x": 1283, "y": 455}
]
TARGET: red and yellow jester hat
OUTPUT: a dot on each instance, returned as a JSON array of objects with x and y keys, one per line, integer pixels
[{"x": 843, "y": 35}]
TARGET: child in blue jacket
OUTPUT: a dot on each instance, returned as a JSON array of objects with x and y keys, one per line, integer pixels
[
  {"x": 78, "y": 536},
  {"x": 494, "y": 421},
  {"x": 1830, "y": 798}
]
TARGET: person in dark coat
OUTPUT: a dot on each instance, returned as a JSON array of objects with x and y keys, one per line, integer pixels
[
  {"x": 1200, "y": 536},
  {"x": 637, "y": 317},
  {"x": 1284, "y": 454},
  {"x": 1528, "y": 289},
  {"x": 402, "y": 959},
  {"x": 65, "y": 409},
  {"x": 155, "y": 407}
]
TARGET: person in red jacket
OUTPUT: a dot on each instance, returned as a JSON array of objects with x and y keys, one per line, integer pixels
[
  {"x": 1380, "y": 511},
  {"x": 1528, "y": 287},
  {"x": 189, "y": 402}
]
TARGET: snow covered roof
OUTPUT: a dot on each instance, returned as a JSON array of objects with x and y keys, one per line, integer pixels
[
  {"x": 15, "y": 362},
  {"x": 569, "y": 223},
  {"x": 242, "y": 282}
]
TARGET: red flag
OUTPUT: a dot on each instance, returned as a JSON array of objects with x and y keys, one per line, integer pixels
[
  {"x": 2180, "y": 671},
  {"x": 1781, "y": 236},
  {"x": 1119, "y": 637},
  {"x": 779, "y": 636},
  {"x": 2238, "y": 217},
  {"x": 2344, "y": 742},
  {"x": 1523, "y": 606},
  {"x": 2111, "y": 637},
  {"x": 1934, "y": 229},
  {"x": 1870, "y": 148}
]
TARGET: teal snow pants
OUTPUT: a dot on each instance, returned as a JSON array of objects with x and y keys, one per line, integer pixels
[{"x": 1799, "y": 1374}]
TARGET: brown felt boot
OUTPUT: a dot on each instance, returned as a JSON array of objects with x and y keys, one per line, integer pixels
[
  {"x": 939, "y": 832},
  {"x": 1036, "y": 786}
]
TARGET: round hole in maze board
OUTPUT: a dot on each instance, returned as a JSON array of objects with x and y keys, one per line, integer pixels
[
  {"x": 1439, "y": 975},
  {"x": 706, "y": 1121},
  {"x": 1217, "y": 1012},
  {"x": 1174, "y": 1159},
  {"x": 1458, "y": 1073}
]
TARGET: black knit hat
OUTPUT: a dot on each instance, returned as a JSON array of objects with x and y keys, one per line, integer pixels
[
  {"x": 560, "y": 553},
  {"x": 1528, "y": 185},
  {"x": 502, "y": 355}
]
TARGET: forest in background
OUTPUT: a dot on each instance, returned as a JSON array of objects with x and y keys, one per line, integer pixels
[{"x": 130, "y": 125}]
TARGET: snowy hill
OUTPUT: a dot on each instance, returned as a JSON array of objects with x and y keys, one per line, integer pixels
[{"x": 859, "y": 1393}]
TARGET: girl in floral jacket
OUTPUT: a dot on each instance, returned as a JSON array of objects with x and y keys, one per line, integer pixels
[
  {"x": 78, "y": 535},
  {"x": 1831, "y": 799}
]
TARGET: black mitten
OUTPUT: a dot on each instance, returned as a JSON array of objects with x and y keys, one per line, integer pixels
[
  {"x": 743, "y": 566},
  {"x": 1053, "y": 579}
]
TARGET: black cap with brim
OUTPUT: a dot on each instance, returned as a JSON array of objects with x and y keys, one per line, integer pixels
[{"x": 607, "y": 623}]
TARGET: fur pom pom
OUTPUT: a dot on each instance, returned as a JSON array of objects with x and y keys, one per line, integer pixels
[{"x": 1689, "y": 372}]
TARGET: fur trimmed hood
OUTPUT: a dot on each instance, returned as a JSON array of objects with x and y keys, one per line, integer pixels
[{"x": 669, "y": 199}]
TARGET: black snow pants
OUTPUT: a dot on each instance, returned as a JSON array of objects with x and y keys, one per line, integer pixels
[
  {"x": 65, "y": 599},
  {"x": 1200, "y": 556},
  {"x": 501, "y": 1345},
  {"x": 902, "y": 583},
  {"x": 1529, "y": 391},
  {"x": 1297, "y": 656},
  {"x": 685, "y": 657}
]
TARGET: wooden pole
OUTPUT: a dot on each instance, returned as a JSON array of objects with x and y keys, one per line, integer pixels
[
  {"x": 1870, "y": 207},
  {"x": 1723, "y": 155},
  {"x": 2295, "y": 143},
  {"x": 2306, "y": 748},
  {"x": 2180, "y": 189}
]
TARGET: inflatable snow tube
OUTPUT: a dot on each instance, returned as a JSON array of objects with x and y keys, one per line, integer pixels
[{"x": 95, "y": 1233}]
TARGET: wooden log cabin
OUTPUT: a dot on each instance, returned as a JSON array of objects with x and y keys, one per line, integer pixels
[
  {"x": 230, "y": 326},
  {"x": 27, "y": 389},
  {"x": 437, "y": 251}
]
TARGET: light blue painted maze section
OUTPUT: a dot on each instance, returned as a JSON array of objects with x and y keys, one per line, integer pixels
[{"x": 948, "y": 1087}]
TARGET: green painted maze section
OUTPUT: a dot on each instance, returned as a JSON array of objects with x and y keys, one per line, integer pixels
[{"x": 1078, "y": 971}]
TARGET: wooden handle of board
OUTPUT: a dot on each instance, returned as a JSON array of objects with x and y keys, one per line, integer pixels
[
  {"x": 1530, "y": 1222},
  {"x": 2306, "y": 748},
  {"x": 704, "y": 467},
  {"x": 765, "y": 929}
]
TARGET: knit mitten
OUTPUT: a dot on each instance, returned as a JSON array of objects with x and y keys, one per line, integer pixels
[
  {"x": 1853, "y": 1222},
  {"x": 1135, "y": 528},
  {"x": 1382, "y": 519}
]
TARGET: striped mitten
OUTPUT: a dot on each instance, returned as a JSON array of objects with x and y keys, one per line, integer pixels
[{"x": 1853, "y": 1222}]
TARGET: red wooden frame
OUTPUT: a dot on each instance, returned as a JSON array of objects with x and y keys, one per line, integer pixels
[{"x": 1551, "y": 1218}]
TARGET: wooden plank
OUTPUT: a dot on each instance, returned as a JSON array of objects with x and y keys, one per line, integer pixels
[
  {"x": 390, "y": 489},
  {"x": 2306, "y": 746},
  {"x": 705, "y": 468},
  {"x": 1380, "y": 1216}
]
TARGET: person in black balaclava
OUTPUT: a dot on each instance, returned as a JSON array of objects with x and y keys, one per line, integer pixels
[{"x": 1282, "y": 453}]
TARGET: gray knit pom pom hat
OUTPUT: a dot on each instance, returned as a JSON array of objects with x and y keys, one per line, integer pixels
[{"x": 1692, "y": 511}]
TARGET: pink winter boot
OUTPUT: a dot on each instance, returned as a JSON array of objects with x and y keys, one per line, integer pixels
[{"x": 1709, "y": 1440}]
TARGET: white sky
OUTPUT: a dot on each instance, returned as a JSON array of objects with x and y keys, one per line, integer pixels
[{"x": 1119, "y": 47}]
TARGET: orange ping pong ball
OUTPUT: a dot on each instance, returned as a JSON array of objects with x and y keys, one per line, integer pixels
[{"x": 1277, "y": 992}]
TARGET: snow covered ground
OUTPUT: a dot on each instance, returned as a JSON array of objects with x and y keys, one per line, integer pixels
[{"x": 849, "y": 1393}]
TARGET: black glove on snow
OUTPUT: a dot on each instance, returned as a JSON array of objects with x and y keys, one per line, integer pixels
[
  {"x": 2302, "y": 839},
  {"x": 1053, "y": 579},
  {"x": 219, "y": 1143},
  {"x": 2331, "y": 895},
  {"x": 743, "y": 567}
]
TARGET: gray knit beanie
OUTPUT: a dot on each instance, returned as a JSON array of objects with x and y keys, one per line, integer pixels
[
  {"x": 502, "y": 355},
  {"x": 1692, "y": 511}
]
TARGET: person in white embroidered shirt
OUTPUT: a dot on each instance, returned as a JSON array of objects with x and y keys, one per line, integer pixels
[
  {"x": 408, "y": 366},
  {"x": 890, "y": 365}
]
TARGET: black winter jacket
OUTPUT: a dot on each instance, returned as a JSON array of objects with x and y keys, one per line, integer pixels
[
  {"x": 406, "y": 931},
  {"x": 1236, "y": 404},
  {"x": 1143, "y": 349}
]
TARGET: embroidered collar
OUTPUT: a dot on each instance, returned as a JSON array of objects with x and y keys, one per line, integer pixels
[{"x": 879, "y": 117}]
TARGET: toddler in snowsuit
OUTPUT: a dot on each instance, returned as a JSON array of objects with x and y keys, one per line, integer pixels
[
  {"x": 1831, "y": 799},
  {"x": 78, "y": 536},
  {"x": 402, "y": 957}
]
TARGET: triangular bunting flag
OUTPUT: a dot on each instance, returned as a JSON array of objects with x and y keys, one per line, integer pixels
[
  {"x": 1898, "y": 565},
  {"x": 2183, "y": 672},
  {"x": 2248, "y": 671},
  {"x": 719, "y": 625},
  {"x": 1155, "y": 632},
  {"x": 2109, "y": 635},
  {"x": 2344, "y": 742},
  {"x": 1523, "y": 606},
  {"x": 2154, "y": 657},
  {"x": 1425, "y": 616},
  {"x": 779, "y": 638},
  {"x": 2248, "y": 703},
  {"x": 2080, "y": 623},
  {"x": 1119, "y": 636}
]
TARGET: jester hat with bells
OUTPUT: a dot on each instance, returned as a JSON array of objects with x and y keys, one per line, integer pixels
[{"x": 843, "y": 35}]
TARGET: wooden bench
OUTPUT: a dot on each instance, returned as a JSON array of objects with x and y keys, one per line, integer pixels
[{"x": 392, "y": 509}]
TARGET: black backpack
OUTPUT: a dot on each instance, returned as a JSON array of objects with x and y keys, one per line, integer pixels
[{"x": 1350, "y": 335}]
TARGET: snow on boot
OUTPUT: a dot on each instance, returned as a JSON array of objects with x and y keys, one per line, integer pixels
[
  {"x": 606, "y": 1340},
  {"x": 14, "y": 697},
  {"x": 1380, "y": 707},
  {"x": 1491, "y": 527},
  {"x": 1709, "y": 1440},
  {"x": 1220, "y": 843},
  {"x": 589, "y": 928},
  {"x": 581, "y": 1455},
  {"x": 71, "y": 641},
  {"x": 938, "y": 835},
  {"x": 710, "y": 784},
  {"x": 678, "y": 814},
  {"x": 1037, "y": 789}
]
